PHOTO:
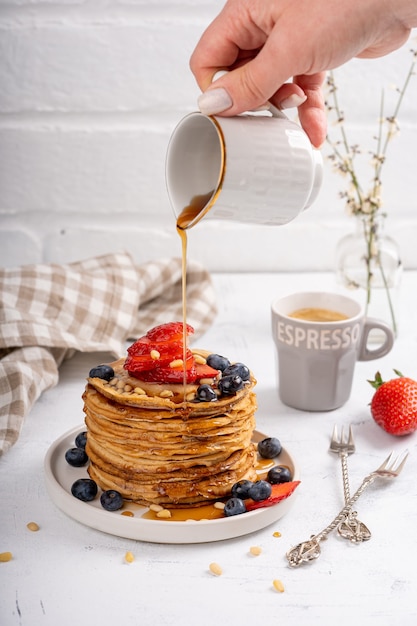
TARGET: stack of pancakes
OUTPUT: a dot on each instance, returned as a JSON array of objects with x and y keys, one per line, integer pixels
[{"x": 146, "y": 442}]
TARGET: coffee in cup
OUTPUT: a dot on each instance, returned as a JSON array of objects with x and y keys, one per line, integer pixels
[
  {"x": 319, "y": 337},
  {"x": 314, "y": 314}
]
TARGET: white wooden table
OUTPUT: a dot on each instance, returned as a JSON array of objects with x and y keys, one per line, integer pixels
[{"x": 67, "y": 573}]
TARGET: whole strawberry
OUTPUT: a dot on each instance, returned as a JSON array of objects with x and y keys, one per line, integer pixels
[{"x": 394, "y": 404}]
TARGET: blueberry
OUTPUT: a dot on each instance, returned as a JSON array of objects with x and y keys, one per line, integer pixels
[
  {"x": 111, "y": 500},
  {"x": 260, "y": 490},
  {"x": 205, "y": 393},
  {"x": 76, "y": 457},
  {"x": 229, "y": 385},
  {"x": 234, "y": 506},
  {"x": 81, "y": 440},
  {"x": 84, "y": 489},
  {"x": 241, "y": 489},
  {"x": 218, "y": 362},
  {"x": 102, "y": 371},
  {"x": 237, "y": 369},
  {"x": 269, "y": 448},
  {"x": 279, "y": 474}
]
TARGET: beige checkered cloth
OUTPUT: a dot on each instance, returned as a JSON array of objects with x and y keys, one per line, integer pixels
[{"x": 49, "y": 311}]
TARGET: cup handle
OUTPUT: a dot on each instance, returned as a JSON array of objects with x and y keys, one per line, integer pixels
[
  {"x": 365, "y": 354},
  {"x": 275, "y": 112}
]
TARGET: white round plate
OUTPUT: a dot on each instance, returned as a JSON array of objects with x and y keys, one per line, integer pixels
[{"x": 60, "y": 476}]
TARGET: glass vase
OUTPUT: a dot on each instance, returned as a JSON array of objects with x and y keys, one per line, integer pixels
[{"x": 369, "y": 261}]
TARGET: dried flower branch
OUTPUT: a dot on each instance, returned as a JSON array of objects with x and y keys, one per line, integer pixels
[{"x": 367, "y": 205}]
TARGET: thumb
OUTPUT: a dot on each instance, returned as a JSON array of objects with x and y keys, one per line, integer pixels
[
  {"x": 251, "y": 84},
  {"x": 241, "y": 89},
  {"x": 218, "y": 101}
]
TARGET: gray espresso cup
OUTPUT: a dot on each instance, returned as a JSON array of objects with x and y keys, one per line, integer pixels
[{"x": 319, "y": 337}]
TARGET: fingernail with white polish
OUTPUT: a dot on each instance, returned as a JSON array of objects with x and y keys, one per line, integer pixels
[
  {"x": 292, "y": 101},
  {"x": 214, "y": 101},
  {"x": 218, "y": 75}
]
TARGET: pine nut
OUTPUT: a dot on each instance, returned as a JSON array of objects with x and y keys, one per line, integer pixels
[
  {"x": 140, "y": 391},
  {"x": 176, "y": 364},
  {"x": 164, "y": 514},
  {"x": 215, "y": 569},
  {"x": 156, "y": 507},
  {"x": 166, "y": 393},
  {"x": 200, "y": 360},
  {"x": 278, "y": 586},
  {"x": 33, "y": 526},
  {"x": 129, "y": 558},
  {"x": 127, "y": 388},
  {"x": 219, "y": 505},
  {"x": 155, "y": 355}
]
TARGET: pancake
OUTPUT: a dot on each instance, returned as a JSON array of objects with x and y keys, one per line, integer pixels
[{"x": 158, "y": 443}]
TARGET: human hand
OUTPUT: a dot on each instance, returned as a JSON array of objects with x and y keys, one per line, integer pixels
[{"x": 263, "y": 44}]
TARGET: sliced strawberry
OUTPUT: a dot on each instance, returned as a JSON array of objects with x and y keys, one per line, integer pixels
[
  {"x": 150, "y": 357},
  {"x": 172, "y": 331},
  {"x": 194, "y": 373},
  {"x": 279, "y": 492},
  {"x": 140, "y": 346},
  {"x": 205, "y": 371},
  {"x": 144, "y": 346},
  {"x": 144, "y": 362},
  {"x": 168, "y": 375},
  {"x": 155, "y": 354}
]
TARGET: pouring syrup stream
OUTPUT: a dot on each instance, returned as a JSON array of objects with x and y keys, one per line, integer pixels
[{"x": 186, "y": 217}]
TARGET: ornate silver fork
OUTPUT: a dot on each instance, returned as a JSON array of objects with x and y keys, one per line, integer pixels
[
  {"x": 309, "y": 550},
  {"x": 351, "y": 527}
]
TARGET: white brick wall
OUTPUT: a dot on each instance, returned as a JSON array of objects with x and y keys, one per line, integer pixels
[{"x": 89, "y": 94}]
